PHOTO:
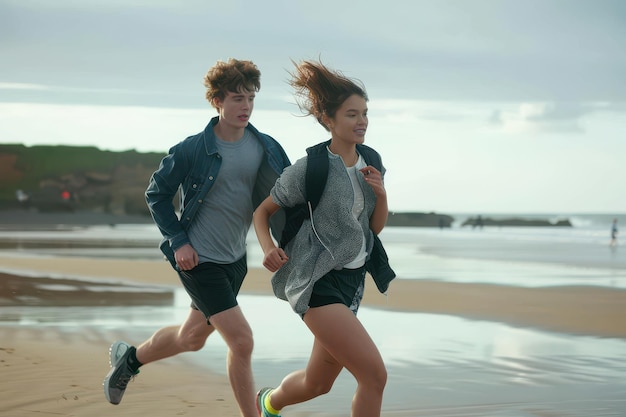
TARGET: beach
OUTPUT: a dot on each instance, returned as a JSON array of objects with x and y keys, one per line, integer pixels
[
  {"x": 452, "y": 348},
  {"x": 584, "y": 310}
]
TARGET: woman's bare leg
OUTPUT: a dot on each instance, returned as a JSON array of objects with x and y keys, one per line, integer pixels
[{"x": 340, "y": 341}]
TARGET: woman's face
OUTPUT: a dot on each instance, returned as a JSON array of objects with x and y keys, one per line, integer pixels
[{"x": 350, "y": 122}]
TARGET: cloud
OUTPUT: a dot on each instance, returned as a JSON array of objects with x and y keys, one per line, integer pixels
[
  {"x": 561, "y": 111},
  {"x": 23, "y": 86},
  {"x": 453, "y": 84},
  {"x": 559, "y": 117},
  {"x": 493, "y": 50}
]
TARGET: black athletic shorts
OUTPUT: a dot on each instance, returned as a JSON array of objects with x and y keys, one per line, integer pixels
[
  {"x": 343, "y": 286},
  {"x": 213, "y": 288}
]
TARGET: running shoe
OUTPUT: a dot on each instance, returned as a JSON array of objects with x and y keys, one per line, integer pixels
[
  {"x": 119, "y": 376},
  {"x": 116, "y": 351},
  {"x": 260, "y": 403}
]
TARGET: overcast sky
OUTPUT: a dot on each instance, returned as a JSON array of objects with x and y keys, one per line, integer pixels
[{"x": 477, "y": 106}]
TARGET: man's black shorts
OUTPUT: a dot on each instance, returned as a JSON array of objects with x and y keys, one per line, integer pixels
[{"x": 213, "y": 287}]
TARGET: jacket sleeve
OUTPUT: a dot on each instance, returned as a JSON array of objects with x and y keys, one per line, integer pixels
[
  {"x": 162, "y": 188},
  {"x": 378, "y": 266},
  {"x": 288, "y": 191}
]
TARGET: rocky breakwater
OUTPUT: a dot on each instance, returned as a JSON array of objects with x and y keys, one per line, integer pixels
[{"x": 514, "y": 221}]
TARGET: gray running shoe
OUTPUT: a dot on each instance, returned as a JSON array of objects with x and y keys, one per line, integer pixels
[
  {"x": 120, "y": 374},
  {"x": 116, "y": 351}
]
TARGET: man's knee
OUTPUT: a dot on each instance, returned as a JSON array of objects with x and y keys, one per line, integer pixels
[
  {"x": 192, "y": 345},
  {"x": 242, "y": 345},
  {"x": 192, "y": 341}
]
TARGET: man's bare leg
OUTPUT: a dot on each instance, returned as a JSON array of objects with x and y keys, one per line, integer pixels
[
  {"x": 236, "y": 332},
  {"x": 172, "y": 340}
]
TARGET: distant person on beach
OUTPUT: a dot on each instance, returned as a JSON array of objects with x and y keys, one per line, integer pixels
[
  {"x": 478, "y": 222},
  {"x": 223, "y": 173},
  {"x": 22, "y": 197},
  {"x": 321, "y": 271},
  {"x": 614, "y": 233}
]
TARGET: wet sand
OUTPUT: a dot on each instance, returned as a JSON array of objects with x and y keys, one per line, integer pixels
[
  {"x": 584, "y": 310},
  {"x": 54, "y": 370}
]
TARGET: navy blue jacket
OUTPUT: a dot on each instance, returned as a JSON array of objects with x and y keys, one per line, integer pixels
[{"x": 192, "y": 166}]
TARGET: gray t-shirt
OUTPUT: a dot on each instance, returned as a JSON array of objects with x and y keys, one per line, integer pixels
[{"x": 218, "y": 232}]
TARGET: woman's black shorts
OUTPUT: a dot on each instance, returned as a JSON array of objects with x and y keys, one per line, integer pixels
[{"x": 343, "y": 286}]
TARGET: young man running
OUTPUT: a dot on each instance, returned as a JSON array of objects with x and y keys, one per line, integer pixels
[{"x": 206, "y": 245}]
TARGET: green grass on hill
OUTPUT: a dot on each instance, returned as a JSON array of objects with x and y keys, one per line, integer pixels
[{"x": 36, "y": 163}]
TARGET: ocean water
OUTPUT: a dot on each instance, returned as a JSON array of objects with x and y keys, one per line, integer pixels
[
  {"x": 520, "y": 256},
  {"x": 438, "y": 365}
]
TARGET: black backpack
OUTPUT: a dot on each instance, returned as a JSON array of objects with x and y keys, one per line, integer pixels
[{"x": 315, "y": 182}]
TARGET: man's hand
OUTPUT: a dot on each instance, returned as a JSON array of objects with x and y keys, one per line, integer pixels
[{"x": 186, "y": 257}]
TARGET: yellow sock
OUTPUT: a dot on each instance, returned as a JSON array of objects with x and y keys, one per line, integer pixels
[{"x": 268, "y": 406}]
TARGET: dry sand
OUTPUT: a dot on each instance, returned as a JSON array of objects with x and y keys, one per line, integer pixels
[{"x": 58, "y": 372}]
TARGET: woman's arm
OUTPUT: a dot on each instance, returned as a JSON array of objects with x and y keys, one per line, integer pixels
[{"x": 274, "y": 257}]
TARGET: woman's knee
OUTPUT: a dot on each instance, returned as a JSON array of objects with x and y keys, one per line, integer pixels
[
  {"x": 321, "y": 387},
  {"x": 381, "y": 377},
  {"x": 374, "y": 376},
  {"x": 378, "y": 377}
]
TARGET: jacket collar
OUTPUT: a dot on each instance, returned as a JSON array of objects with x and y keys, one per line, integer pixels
[{"x": 210, "y": 141}]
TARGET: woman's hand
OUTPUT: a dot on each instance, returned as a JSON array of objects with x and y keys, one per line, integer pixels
[
  {"x": 274, "y": 259},
  {"x": 375, "y": 180}
]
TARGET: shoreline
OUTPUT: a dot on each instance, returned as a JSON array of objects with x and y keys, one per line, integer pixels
[{"x": 578, "y": 310}]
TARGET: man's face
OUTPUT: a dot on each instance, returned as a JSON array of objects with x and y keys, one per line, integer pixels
[{"x": 236, "y": 108}]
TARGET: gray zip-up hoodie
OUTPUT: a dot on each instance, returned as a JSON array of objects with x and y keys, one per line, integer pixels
[{"x": 332, "y": 239}]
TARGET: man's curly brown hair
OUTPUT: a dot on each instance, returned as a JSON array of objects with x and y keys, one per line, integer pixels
[{"x": 233, "y": 76}]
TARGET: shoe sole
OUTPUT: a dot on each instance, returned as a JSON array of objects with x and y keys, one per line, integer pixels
[
  {"x": 113, "y": 359},
  {"x": 259, "y": 398},
  {"x": 106, "y": 386},
  {"x": 258, "y": 403},
  {"x": 114, "y": 349}
]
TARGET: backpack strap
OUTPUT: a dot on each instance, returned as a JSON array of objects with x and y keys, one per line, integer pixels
[
  {"x": 316, "y": 176},
  {"x": 314, "y": 184},
  {"x": 316, "y": 173},
  {"x": 371, "y": 156},
  {"x": 317, "y": 168}
]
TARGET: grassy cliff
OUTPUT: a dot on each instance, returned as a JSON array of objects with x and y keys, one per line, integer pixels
[
  {"x": 91, "y": 180},
  {"x": 52, "y": 178}
]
